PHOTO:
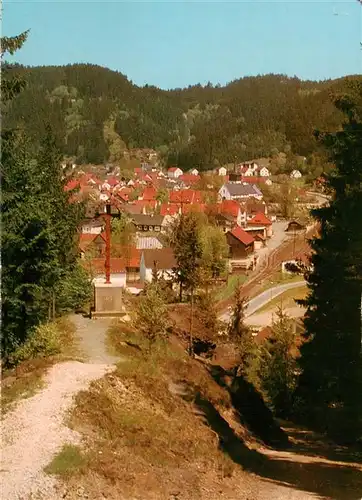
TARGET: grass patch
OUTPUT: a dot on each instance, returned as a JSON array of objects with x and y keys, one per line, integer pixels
[
  {"x": 279, "y": 278},
  {"x": 68, "y": 461},
  {"x": 23, "y": 387},
  {"x": 227, "y": 289},
  {"x": 287, "y": 299}
]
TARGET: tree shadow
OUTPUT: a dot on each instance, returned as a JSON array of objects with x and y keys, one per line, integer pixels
[
  {"x": 329, "y": 481},
  {"x": 311, "y": 443},
  {"x": 250, "y": 408}
]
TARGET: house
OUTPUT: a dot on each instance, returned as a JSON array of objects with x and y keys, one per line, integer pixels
[
  {"x": 296, "y": 226},
  {"x": 94, "y": 226},
  {"x": 241, "y": 244},
  {"x": 118, "y": 276},
  {"x": 149, "y": 194},
  {"x": 224, "y": 222},
  {"x": 161, "y": 259},
  {"x": 189, "y": 179},
  {"x": 123, "y": 269},
  {"x": 174, "y": 172},
  {"x": 238, "y": 191},
  {"x": 221, "y": 171},
  {"x": 229, "y": 208},
  {"x": 91, "y": 244},
  {"x": 186, "y": 196},
  {"x": 260, "y": 220},
  {"x": 253, "y": 206},
  {"x": 252, "y": 179},
  {"x": 194, "y": 171},
  {"x": 146, "y": 223},
  {"x": 148, "y": 242},
  {"x": 295, "y": 174},
  {"x": 247, "y": 170},
  {"x": 263, "y": 172},
  {"x": 171, "y": 209}
]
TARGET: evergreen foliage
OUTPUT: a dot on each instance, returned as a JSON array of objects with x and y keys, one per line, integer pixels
[
  {"x": 278, "y": 364},
  {"x": 242, "y": 337},
  {"x": 150, "y": 317},
  {"x": 330, "y": 387},
  {"x": 187, "y": 246},
  {"x": 97, "y": 113},
  {"x": 39, "y": 226}
]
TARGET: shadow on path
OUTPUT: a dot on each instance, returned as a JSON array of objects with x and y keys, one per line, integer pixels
[{"x": 328, "y": 480}]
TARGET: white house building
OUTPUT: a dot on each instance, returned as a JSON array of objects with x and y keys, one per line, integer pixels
[
  {"x": 263, "y": 172},
  {"x": 174, "y": 172},
  {"x": 221, "y": 171},
  {"x": 295, "y": 174},
  {"x": 239, "y": 191}
]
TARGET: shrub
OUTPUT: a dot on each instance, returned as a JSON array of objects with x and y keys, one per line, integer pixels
[{"x": 43, "y": 341}]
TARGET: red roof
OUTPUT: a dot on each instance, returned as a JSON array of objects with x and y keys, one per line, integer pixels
[
  {"x": 253, "y": 180},
  {"x": 169, "y": 209},
  {"x": 185, "y": 196},
  {"x": 173, "y": 169},
  {"x": 72, "y": 184},
  {"x": 230, "y": 207},
  {"x": 118, "y": 264},
  {"x": 189, "y": 178},
  {"x": 112, "y": 181},
  {"x": 124, "y": 193},
  {"x": 260, "y": 219},
  {"x": 149, "y": 193},
  {"x": 226, "y": 207},
  {"x": 145, "y": 203},
  {"x": 242, "y": 235}
]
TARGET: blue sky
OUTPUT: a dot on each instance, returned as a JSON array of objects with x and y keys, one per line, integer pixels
[{"x": 175, "y": 44}]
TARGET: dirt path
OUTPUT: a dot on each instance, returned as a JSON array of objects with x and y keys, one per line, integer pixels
[{"x": 34, "y": 431}]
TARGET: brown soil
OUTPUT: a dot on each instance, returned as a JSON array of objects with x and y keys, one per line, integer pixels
[{"x": 161, "y": 427}]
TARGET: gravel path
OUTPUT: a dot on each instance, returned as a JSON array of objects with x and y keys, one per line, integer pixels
[{"x": 34, "y": 431}]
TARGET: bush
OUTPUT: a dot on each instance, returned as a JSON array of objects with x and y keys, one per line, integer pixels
[
  {"x": 74, "y": 290},
  {"x": 43, "y": 341}
]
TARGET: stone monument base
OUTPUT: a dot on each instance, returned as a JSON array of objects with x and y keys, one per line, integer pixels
[{"x": 108, "y": 300}]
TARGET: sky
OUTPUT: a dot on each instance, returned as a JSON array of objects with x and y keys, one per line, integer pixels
[{"x": 176, "y": 44}]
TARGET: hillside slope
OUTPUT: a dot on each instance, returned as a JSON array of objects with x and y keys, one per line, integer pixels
[{"x": 96, "y": 113}]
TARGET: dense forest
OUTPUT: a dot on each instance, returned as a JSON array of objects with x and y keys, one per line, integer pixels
[{"x": 96, "y": 114}]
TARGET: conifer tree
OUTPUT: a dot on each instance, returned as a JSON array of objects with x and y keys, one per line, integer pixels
[
  {"x": 241, "y": 335},
  {"x": 330, "y": 387},
  {"x": 278, "y": 364}
]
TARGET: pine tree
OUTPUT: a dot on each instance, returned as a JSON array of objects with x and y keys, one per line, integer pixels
[
  {"x": 39, "y": 227},
  {"x": 150, "y": 316},
  {"x": 241, "y": 335},
  {"x": 278, "y": 364},
  {"x": 187, "y": 246},
  {"x": 330, "y": 387},
  {"x": 11, "y": 84}
]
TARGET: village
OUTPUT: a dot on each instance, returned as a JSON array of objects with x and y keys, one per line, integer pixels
[{"x": 152, "y": 197}]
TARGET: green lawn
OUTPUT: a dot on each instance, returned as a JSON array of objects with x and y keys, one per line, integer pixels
[
  {"x": 287, "y": 299},
  {"x": 227, "y": 289},
  {"x": 279, "y": 278}
]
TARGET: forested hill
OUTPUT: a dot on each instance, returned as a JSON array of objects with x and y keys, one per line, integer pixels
[{"x": 97, "y": 113}]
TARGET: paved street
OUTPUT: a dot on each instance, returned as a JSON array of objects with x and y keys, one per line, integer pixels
[{"x": 264, "y": 297}]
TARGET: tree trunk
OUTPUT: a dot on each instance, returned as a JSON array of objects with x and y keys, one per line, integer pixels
[
  {"x": 192, "y": 324},
  {"x": 53, "y": 305},
  {"x": 180, "y": 296}
]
